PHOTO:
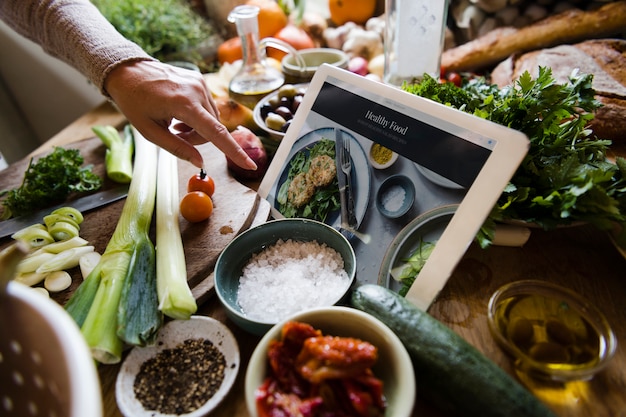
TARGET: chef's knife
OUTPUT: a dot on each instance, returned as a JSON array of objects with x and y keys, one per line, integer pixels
[{"x": 83, "y": 204}]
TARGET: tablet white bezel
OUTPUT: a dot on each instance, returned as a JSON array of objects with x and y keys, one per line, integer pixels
[{"x": 508, "y": 148}]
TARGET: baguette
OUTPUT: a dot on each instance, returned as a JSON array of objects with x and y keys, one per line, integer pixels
[{"x": 567, "y": 27}]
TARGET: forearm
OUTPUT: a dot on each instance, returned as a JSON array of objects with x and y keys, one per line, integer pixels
[{"x": 73, "y": 31}]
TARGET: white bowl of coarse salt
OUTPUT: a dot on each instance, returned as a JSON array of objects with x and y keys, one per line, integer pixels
[{"x": 282, "y": 267}]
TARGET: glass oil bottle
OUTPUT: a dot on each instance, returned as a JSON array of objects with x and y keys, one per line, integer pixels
[{"x": 255, "y": 79}]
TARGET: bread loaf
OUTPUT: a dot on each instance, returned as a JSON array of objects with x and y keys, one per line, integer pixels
[
  {"x": 604, "y": 58},
  {"x": 567, "y": 27}
]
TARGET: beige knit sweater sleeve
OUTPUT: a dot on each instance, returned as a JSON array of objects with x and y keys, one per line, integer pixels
[{"x": 73, "y": 31}]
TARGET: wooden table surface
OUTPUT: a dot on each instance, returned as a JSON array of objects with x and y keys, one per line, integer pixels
[{"x": 581, "y": 258}]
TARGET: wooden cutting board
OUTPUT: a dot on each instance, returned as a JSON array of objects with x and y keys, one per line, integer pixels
[{"x": 236, "y": 208}]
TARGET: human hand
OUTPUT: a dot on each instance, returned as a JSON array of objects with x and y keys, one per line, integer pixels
[{"x": 152, "y": 95}]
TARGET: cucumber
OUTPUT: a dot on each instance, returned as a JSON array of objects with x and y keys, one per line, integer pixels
[{"x": 457, "y": 377}]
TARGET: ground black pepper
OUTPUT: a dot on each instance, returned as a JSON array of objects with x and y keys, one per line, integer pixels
[{"x": 181, "y": 379}]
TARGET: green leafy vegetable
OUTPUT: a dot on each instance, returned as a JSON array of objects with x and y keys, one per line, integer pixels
[
  {"x": 165, "y": 29},
  {"x": 325, "y": 199},
  {"x": 565, "y": 176},
  {"x": 119, "y": 153},
  {"x": 411, "y": 266},
  {"x": 49, "y": 181}
]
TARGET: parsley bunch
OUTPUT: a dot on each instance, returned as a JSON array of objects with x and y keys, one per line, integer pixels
[
  {"x": 565, "y": 177},
  {"x": 50, "y": 181}
]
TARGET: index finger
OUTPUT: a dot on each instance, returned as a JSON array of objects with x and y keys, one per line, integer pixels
[{"x": 209, "y": 128}]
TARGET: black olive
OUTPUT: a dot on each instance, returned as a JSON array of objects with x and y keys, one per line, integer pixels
[
  {"x": 284, "y": 112},
  {"x": 297, "y": 100},
  {"x": 265, "y": 110},
  {"x": 285, "y": 101}
]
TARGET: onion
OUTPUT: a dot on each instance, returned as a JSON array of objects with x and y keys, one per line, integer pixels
[
  {"x": 253, "y": 146},
  {"x": 358, "y": 65}
]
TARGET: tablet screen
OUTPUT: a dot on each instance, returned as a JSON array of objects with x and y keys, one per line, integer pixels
[{"x": 456, "y": 164}]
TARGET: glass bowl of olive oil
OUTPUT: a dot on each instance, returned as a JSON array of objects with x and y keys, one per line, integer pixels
[{"x": 552, "y": 332}]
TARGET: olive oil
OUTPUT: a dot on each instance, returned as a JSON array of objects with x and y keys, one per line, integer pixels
[
  {"x": 250, "y": 92},
  {"x": 549, "y": 331},
  {"x": 255, "y": 79}
]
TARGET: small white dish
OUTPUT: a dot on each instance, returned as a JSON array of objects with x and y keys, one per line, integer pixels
[
  {"x": 377, "y": 164},
  {"x": 171, "y": 335}
]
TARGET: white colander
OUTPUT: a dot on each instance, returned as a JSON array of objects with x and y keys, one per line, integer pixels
[{"x": 46, "y": 368}]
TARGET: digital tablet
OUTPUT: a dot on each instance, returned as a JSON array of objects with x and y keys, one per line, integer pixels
[{"x": 452, "y": 159}]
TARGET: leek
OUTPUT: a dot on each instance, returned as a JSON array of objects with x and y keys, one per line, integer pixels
[
  {"x": 63, "y": 245},
  {"x": 138, "y": 316},
  {"x": 67, "y": 259},
  {"x": 94, "y": 306},
  {"x": 33, "y": 261},
  {"x": 175, "y": 297},
  {"x": 119, "y": 154},
  {"x": 36, "y": 235},
  {"x": 30, "y": 278},
  {"x": 70, "y": 212}
]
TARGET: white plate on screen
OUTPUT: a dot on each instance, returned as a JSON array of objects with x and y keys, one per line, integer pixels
[
  {"x": 437, "y": 179},
  {"x": 361, "y": 178}
]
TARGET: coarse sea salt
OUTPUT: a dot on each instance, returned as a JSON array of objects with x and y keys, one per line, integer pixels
[
  {"x": 394, "y": 198},
  {"x": 290, "y": 276}
]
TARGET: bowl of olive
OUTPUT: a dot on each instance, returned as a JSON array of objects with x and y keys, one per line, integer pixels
[{"x": 274, "y": 112}]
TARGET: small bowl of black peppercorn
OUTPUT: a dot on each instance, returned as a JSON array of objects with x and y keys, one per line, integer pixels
[
  {"x": 187, "y": 371},
  {"x": 274, "y": 112}
]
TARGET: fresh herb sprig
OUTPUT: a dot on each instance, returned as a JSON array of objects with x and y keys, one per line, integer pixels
[
  {"x": 566, "y": 176},
  {"x": 166, "y": 29},
  {"x": 50, "y": 180}
]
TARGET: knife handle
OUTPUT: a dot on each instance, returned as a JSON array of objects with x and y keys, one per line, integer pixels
[
  {"x": 350, "y": 202},
  {"x": 344, "y": 208}
]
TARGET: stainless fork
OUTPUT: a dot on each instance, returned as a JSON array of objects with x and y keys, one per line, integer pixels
[
  {"x": 346, "y": 167},
  {"x": 346, "y": 164}
]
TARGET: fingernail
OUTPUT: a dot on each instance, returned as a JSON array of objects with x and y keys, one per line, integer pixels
[{"x": 198, "y": 162}]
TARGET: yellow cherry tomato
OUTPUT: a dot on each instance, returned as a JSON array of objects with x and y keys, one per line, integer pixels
[{"x": 196, "y": 206}]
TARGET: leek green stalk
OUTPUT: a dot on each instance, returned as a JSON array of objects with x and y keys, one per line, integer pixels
[
  {"x": 95, "y": 304},
  {"x": 175, "y": 297},
  {"x": 138, "y": 316},
  {"x": 119, "y": 154}
]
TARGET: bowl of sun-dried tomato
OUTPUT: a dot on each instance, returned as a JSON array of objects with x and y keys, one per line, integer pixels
[{"x": 330, "y": 359}]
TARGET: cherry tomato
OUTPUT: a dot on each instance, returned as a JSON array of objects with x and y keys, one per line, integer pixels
[
  {"x": 455, "y": 78},
  {"x": 196, "y": 206},
  {"x": 201, "y": 182}
]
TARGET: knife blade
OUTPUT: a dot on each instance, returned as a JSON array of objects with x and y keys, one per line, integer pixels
[
  {"x": 347, "y": 169},
  {"x": 83, "y": 204},
  {"x": 341, "y": 178}
]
